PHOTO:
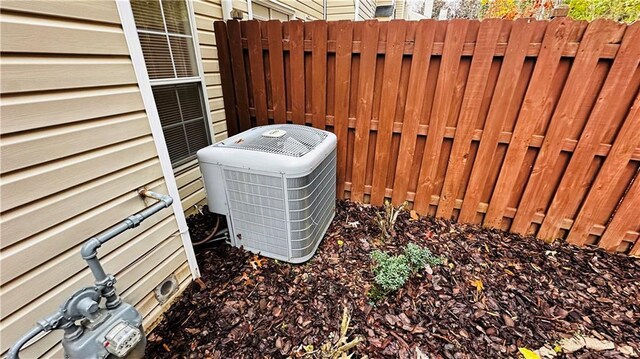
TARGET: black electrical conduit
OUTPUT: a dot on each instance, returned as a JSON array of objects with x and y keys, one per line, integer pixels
[{"x": 105, "y": 282}]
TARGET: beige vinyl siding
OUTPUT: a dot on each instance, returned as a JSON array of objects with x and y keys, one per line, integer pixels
[
  {"x": 367, "y": 9},
  {"x": 302, "y": 9},
  {"x": 75, "y": 143},
  {"x": 346, "y": 9},
  {"x": 341, "y": 9},
  {"x": 306, "y": 9},
  {"x": 401, "y": 8}
]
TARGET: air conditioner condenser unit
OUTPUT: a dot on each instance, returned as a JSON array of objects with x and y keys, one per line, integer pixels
[{"x": 276, "y": 185}]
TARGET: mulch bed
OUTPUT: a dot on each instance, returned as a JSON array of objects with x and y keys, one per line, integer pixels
[{"x": 533, "y": 294}]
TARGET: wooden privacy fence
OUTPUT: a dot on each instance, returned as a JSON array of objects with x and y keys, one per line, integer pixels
[{"x": 527, "y": 126}]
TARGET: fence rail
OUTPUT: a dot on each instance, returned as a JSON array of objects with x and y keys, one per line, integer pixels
[{"x": 528, "y": 126}]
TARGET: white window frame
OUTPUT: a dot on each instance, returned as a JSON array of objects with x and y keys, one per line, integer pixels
[
  {"x": 140, "y": 68},
  {"x": 184, "y": 80}
]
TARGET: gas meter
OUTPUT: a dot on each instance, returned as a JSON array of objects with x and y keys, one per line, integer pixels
[{"x": 97, "y": 324}]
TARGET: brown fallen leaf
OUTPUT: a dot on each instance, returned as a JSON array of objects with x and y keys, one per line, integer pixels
[
  {"x": 276, "y": 311},
  {"x": 508, "y": 321}
]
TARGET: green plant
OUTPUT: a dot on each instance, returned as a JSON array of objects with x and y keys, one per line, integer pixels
[
  {"x": 391, "y": 272},
  {"x": 617, "y": 10},
  {"x": 420, "y": 257},
  {"x": 387, "y": 220}
]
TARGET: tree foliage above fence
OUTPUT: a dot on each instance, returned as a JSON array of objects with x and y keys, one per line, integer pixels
[
  {"x": 527, "y": 126},
  {"x": 617, "y": 10}
]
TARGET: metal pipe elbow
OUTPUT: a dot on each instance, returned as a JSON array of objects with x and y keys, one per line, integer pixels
[
  {"x": 15, "y": 349},
  {"x": 90, "y": 248},
  {"x": 166, "y": 199}
]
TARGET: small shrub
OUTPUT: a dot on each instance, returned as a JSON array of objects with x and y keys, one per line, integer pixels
[
  {"x": 420, "y": 257},
  {"x": 391, "y": 272}
]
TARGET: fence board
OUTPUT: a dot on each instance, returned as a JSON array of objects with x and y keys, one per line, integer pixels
[
  {"x": 239, "y": 75},
  {"x": 597, "y": 35},
  {"x": 296, "y": 55},
  {"x": 425, "y": 33},
  {"x": 256, "y": 66},
  {"x": 276, "y": 68},
  {"x": 391, "y": 80},
  {"x": 226, "y": 76},
  {"x": 609, "y": 101},
  {"x": 344, "y": 30},
  {"x": 319, "y": 73},
  {"x": 451, "y": 53},
  {"x": 481, "y": 119},
  {"x": 610, "y": 173},
  {"x": 503, "y": 95},
  {"x": 625, "y": 218},
  {"x": 368, "y": 59},
  {"x": 538, "y": 93},
  {"x": 474, "y": 92}
]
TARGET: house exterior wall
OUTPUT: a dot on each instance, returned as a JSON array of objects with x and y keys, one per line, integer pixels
[
  {"x": 341, "y": 9},
  {"x": 367, "y": 9},
  {"x": 75, "y": 143},
  {"x": 346, "y": 9},
  {"x": 302, "y": 9}
]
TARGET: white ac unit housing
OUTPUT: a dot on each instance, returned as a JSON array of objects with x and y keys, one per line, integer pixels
[{"x": 276, "y": 185}]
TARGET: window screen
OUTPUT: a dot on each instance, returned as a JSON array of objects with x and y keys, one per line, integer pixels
[
  {"x": 168, "y": 48},
  {"x": 165, "y": 37},
  {"x": 182, "y": 117}
]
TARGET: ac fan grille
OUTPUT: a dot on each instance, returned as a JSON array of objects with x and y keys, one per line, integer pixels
[{"x": 296, "y": 142}]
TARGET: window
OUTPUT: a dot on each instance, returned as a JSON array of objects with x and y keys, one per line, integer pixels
[{"x": 168, "y": 47}]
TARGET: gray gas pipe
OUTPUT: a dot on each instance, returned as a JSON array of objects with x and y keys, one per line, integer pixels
[{"x": 91, "y": 330}]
